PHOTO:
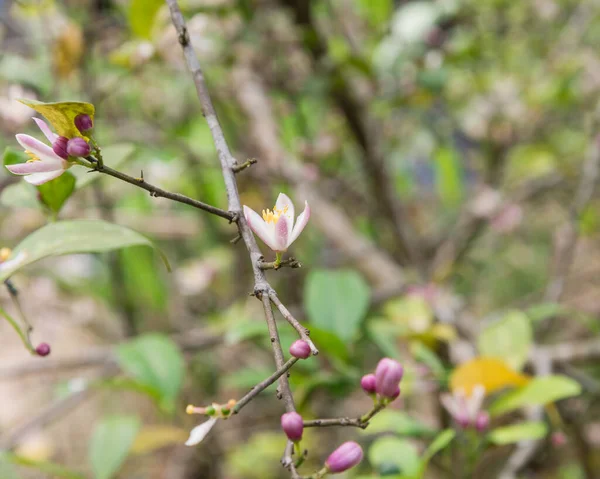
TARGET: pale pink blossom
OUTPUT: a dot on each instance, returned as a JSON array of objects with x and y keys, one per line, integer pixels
[
  {"x": 277, "y": 228},
  {"x": 465, "y": 410},
  {"x": 45, "y": 164}
]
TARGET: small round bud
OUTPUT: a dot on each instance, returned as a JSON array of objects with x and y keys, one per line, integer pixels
[
  {"x": 83, "y": 123},
  {"x": 344, "y": 457},
  {"x": 388, "y": 375},
  {"x": 369, "y": 383},
  {"x": 78, "y": 147},
  {"x": 43, "y": 349},
  {"x": 60, "y": 147},
  {"x": 293, "y": 425},
  {"x": 482, "y": 421},
  {"x": 300, "y": 349}
]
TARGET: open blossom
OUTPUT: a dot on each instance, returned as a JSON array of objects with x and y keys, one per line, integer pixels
[
  {"x": 467, "y": 410},
  {"x": 276, "y": 228},
  {"x": 45, "y": 164}
]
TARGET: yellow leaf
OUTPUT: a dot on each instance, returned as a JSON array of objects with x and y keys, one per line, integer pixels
[
  {"x": 151, "y": 438},
  {"x": 61, "y": 115},
  {"x": 493, "y": 373},
  {"x": 67, "y": 50}
]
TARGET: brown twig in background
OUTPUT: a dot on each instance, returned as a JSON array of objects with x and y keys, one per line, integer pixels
[{"x": 301, "y": 330}]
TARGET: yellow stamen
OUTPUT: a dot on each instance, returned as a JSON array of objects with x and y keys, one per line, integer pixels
[
  {"x": 5, "y": 254},
  {"x": 272, "y": 216},
  {"x": 31, "y": 156}
]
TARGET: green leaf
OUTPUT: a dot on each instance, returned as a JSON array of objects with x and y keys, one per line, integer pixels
[
  {"x": 61, "y": 115},
  {"x": 518, "y": 432},
  {"x": 156, "y": 362},
  {"x": 509, "y": 339},
  {"x": 393, "y": 454},
  {"x": 399, "y": 423},
  {"x": 439, "y": 443},
  {"x": 448, "y": 177},
  {"x": 330, "y": 342},
  {"x": 113, "y": 156},
  {"x": 110, "y": 444},
  {"x": 69, "y": 237},
  {"x": 50, "y": 468},
  {"x": 141, "y": 16},
  {"x": 13, "y": 156},
  {"x": 54, "y": 193},
  {"x": 543, "y": 311},
  {"x": 538, "y": 392},
  {"x": 336, "y": 301},
  {"x": 384, "y": 335}
]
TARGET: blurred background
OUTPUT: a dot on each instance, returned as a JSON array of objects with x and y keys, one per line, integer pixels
[{"x": 447, "y": 150}]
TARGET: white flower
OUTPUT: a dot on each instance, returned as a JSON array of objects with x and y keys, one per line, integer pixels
[
  {"x": 464, "y": 410},
  {"x": 45, "y": 164},
  {"x": 276, "y": 228},
  {"x": 199, "y": 432}
]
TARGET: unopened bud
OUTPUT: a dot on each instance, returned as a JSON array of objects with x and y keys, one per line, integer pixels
[
  {"x": 78, "y": 147},
  {"x": 293, "y": 425},
  {"x": 369, "y": 383},
  {"x": 344, "y": 457},
  {"x": 60, "y": 147},
  {"x": 83, "y": 123},
  {"x": 396, "y": 393},
  {"x": 558, "y": 439},
  {"x": 300, "y": 349},
  {"x": 482, "y": 421},
  {"x": 43, "y": 349},
  {"x": 388, "y": 375}
]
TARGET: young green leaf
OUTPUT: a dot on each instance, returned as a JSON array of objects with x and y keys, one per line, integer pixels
[
  {"x": 518, "y": 432},
  {"x": 110, "y": 444},
  {"x": 509, "y": 338},
  {"x": 155, "y": 361},
  {"x": 55, "y": 193},
  {"x": 69, "y": 237}
]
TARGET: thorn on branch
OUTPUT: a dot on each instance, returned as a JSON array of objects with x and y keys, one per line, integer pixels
[
  {"x": 236, "y": 239},
  {"x": 242, "y": 166}
]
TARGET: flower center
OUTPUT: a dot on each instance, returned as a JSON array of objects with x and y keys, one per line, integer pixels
[
  {"x": 272, "y": 216},
  {"x": 31, "y": 156}
]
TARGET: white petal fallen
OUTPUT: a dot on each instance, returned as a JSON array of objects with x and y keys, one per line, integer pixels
[{"x": 199, "y": 432}]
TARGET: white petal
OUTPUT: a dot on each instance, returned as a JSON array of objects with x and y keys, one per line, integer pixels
[
  {"x": 46, "y": 130},
  {"x": 475, "y": 402},
  {"x": 39, "y": 149},
  {"x": 284, "y": 201},
  {"x": 283, "y": 230},
  {"x": 300, "y": 224},
  {"x": 41, "y": 178},
  {"x": 32, "y": 167},
  {"x": 263, "y": 230},
  {"x": 449, "y": 402},
  {"x": 199, "y": 432}
]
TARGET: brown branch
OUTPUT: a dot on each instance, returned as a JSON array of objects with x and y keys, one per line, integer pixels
[
  {"x": 261, "y": 386},
  {"x": 340, "y": 421},
  {"x": 290, "y": 263},
  {"x": 242, "y": 166},
  {"x": 157, "y": 192},
  {"x": 301, "y": 330}
]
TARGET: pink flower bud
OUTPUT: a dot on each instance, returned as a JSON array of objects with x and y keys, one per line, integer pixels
[
  {"x": 369, "y": 383},
  {"x": 396, "y": 393},
  {"x": 300, "y": 349},
  {"x": 43, "y": 349},
  {"x": 344, "y": 457},
  {"x": 293, "y": 425},
  {"x": 558, "y": 439},
  {"x": 78, "y": 147},
  {"x": 482, "y": 421},
  {"x": 388, "y": 375},
  {"x": 83, "y": 123},
  {"x": 60, "y": 147}
]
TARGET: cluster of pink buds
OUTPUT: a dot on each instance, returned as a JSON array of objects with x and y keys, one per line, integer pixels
[
  {"x": 385, "y": 383},
  {"x": 47, "y": 163},
  {"x": 466, "y": 410}
]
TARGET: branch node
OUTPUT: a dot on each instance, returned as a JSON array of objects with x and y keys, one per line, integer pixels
[
  {"x": 237, "y": 167},
  {"x": 184, "y": 37}
]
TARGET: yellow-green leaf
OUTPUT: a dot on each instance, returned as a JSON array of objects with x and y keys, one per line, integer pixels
[
  {"x": 61, "y": 115},
  {"x": 492, "y": 373},
  {"x": 151, "y": 438}
]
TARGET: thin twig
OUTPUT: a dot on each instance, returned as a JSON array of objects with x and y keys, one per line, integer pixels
[
  {"x": 159, "y": 192},
  {"x": 274, "y": 265},
  {"x": 339, "y": 421},
  {"x": 261, "y": 386},
  {"x": 301, "y": 330},
  {"x": 242, "y": 166}
]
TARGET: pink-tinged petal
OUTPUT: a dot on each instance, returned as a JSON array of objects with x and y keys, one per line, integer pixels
[
  {"x": 264, "y": 231},
  {"x": 46, "y": 130},
  {"x": 199, "y": 432},
  {"x": 284, "y": 201},
  {"x": 449, "y": 402},
  {"x": 39, "y": 149},
  {"x": 41, "y": 178},
  {"x": 31, "y": 167},
  {"x": 300, "y": 224},
  {"x": 283, "y": 229},
  {"x": 475, "y": 402}
]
